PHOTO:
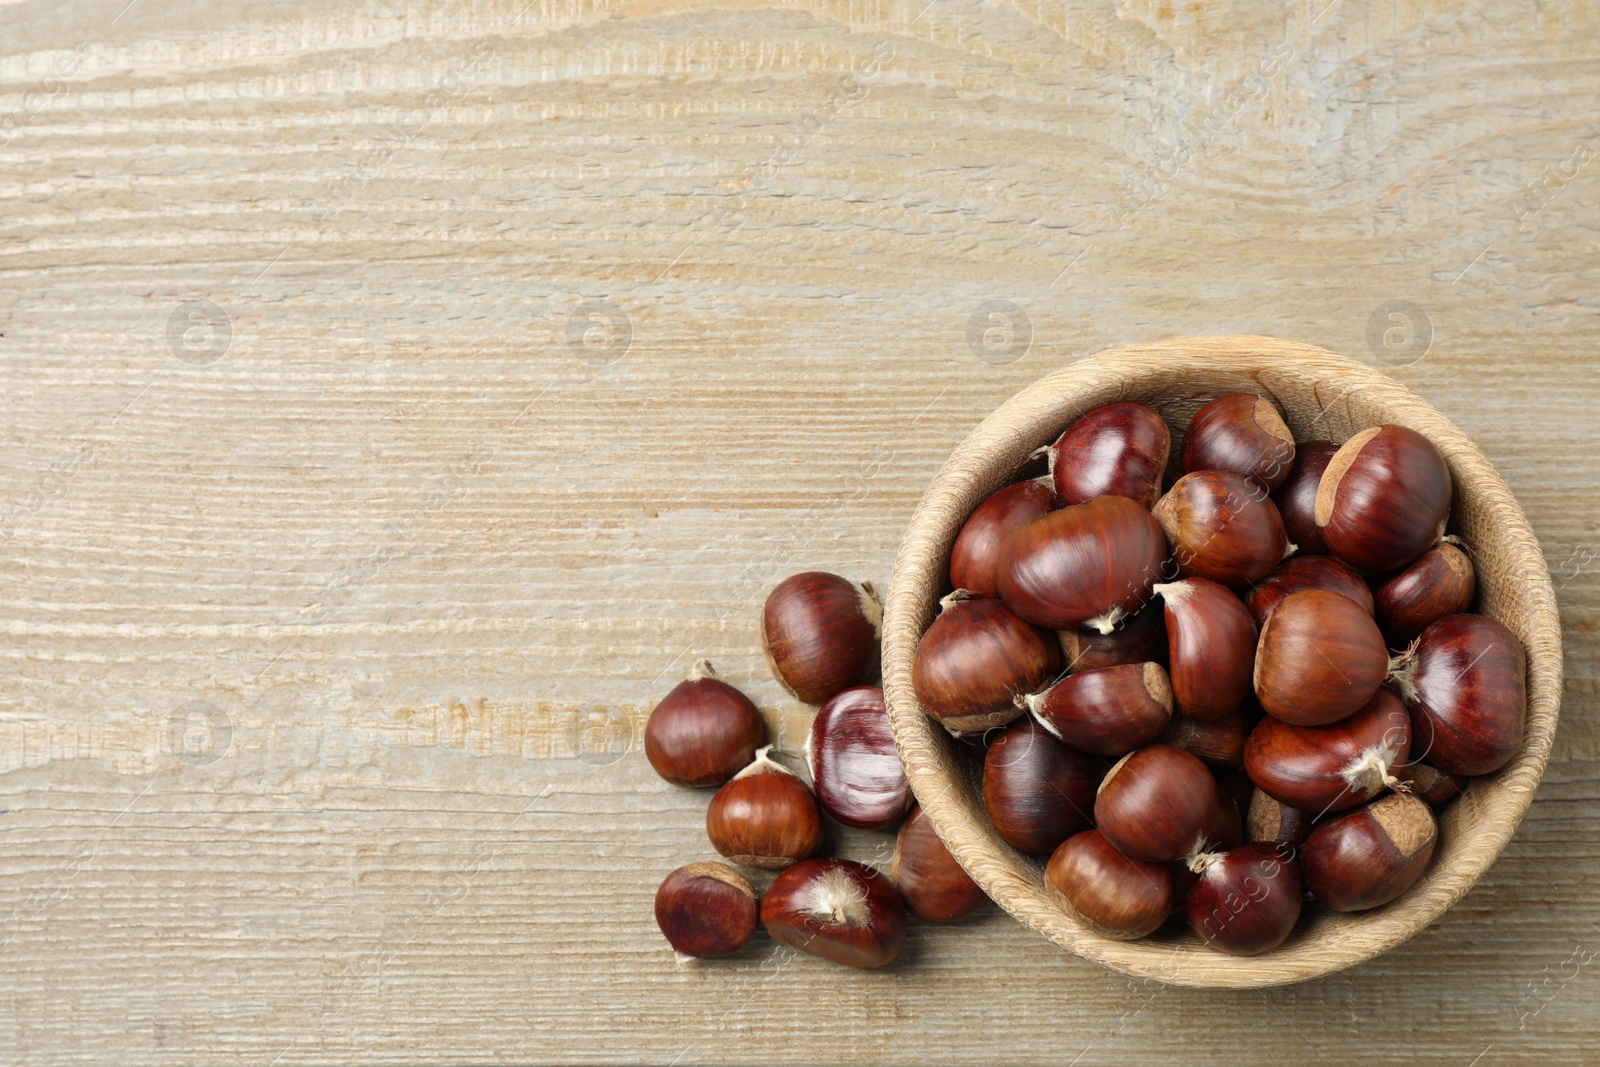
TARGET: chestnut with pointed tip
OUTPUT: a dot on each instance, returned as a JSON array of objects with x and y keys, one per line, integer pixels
[
  {"x": 1330, "y": 768},
  {"x": 765, "y": 816},
  {"x": 1211, "y": 647},
  {"x": 1140, "y": 638},
  {"x": 1111, "y": 893},
  {"x": 1319, "y": 659},
  {"x": 1108, "y": 712},
  {"x": 1088, "y": 565},
  {"x": 1296, "y": 498},
  {"x": 1383, "y": 499},
  {"x": 1272, "y": 820},
  {"x": 1465, "y": 681},
  {"x": 1218, "y": 742},
  {"x": 1440, "y": 583},
  {"x": 1222, "y": 527},
  {"x": 976, "y": 659},
  {"x": 837, "y": 909},
  {"x": 977, "y": 549},
  {"x": 820, "y": 634},
  {"x": 1241, "y": 433},
  {"x": 1309, "y": 572},
  {"x": 703, "y": 732},
  {"x": 1037, "y": 790},
  {"x": 1246, "y": 900},
  {"x": 1368, "y": 857},
  {"x": 1429, "y": 784},
  {"x": 1117, "y": 449},
  {"x": 706, "y": 910},
  {"x": 1157, "y": 804},
  {"x": 933, "y": 884},
  {"x": 854, "y": 767}
]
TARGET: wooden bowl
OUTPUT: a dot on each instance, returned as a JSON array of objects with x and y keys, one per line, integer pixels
[{"x": 1321, "y": 396}]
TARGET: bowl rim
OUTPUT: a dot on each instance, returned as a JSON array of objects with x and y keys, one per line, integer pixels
[{"x": 990, "y": 457}]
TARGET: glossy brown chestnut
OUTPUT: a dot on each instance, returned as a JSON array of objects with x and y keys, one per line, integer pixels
[
  {"x": 1089, "y": 565},
  {"x": 1441, "y": 583},
  {"x": 977, "y": 547},
  {"x": 1275, "y": 822},
  {"x": 1242, "y": 433},
  {"x": 1297, "y": 497},
  {"x": 1319, "y": 659},
  {"x": 1246, "y": 900},
  {"x": 1037, "y": 790},
  {"x": 1141, "y": 638},
  {"x": 836, "y": 909},
  {"x": 1384, "y": 499},
  {"x": 1308, "y": 572},
  {"x": 764, "y": 816},
  {"x": 855, "y": 769},
  {"x": 933, "y": 884},
  {"x": 820, "y": 634},
  {"x": 703, "y": 732},
  {"x": 1119, "y": 449},
  {"x": 706, "y": 909},
  {"x": 1465, "y": 681},
  {"x": 1114, "y": 895},
  {"x": 1330, "y": 768},
  {"x": 1157, "y": 804},
  {"x": 1211, "y": 647},
  {"x": 1222, "y": 527},
  {"x": 1367, "y": 857},
  {"x": 1218, "y": 742},
  {"x": 976, "y": 660},
  {"x": 1108, "y": 712},
  {"x": 1429, "y": 784}
]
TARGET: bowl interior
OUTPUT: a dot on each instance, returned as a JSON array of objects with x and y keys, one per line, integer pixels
[{"x": 1322, "y": 396}]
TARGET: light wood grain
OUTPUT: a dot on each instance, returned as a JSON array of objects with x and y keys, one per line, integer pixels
[{"x": 429, "y": 567}]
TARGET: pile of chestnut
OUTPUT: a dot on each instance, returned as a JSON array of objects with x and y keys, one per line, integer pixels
[
  {"x": 820, "y": 633},
  {"x": 1275, "y": 652}
]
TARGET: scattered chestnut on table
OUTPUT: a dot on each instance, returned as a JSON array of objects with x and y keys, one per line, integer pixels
[
  {"x": 764, "y": 816},
  {"x": 837, "y": 909},
  {"x": 854, "y": 767},
  {"x": 706, "y": 909},
  {"x": 935, "y": 887},
  {"x": 820, "y": 634},
  {"x": 703, "y": 732}
]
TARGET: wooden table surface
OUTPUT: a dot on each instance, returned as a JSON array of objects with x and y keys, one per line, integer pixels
[{"x": 399, "y": 396}]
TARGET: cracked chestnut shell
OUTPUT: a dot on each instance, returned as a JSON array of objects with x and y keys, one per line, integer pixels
[
  {"x": 837, "y": 909},
  {"x": 706, "y": 909}
]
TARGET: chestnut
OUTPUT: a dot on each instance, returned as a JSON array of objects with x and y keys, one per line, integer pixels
[
  {"x": 1222, "y": 527},
  {"x": 820, "y": 634},
  {"x": 976, "y": 660},
  {"x": 1441, "y": 582},
  {"x": 1157, "y": 804},
  {"x": 1330, "y": 768},
  {"x": 1296, "y": 498},
  {"x": 1090, "y": 565},
  {"x": 1211, "y": 646},
  {"x": 1384, "y": 498},
  {"x": 1272, "y": 820},
  {"x": 1242, "y": 433},
  {"x": 1246, "y": 900},
  {"x": 1465, "y": 681},
  {"x": 1367, "y": 857},
  {"x": 1218, "y": 742},
  {"x": 1108, "y": 712},
  {"x": 1319, "y": 659},
  {"x": 703, "y": 732},
  {"x": 1037, "y": 790},
  {"x": 977, "y": 547},
  {"x": 1429, "y": 784},
  {"x": 854, "y": 767},
  {"x": 1308, "y": 572},
  {"x": 1140, "y": 638},
  {"x": 933, "y": 884},
  {"x": 1117, "y": 449},
  {"x": 706, "y": 909},
  {"x": 765, "y": 816},
  {"x": 837, "y": 909},
  {"x": 1111, "y": 893}
]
